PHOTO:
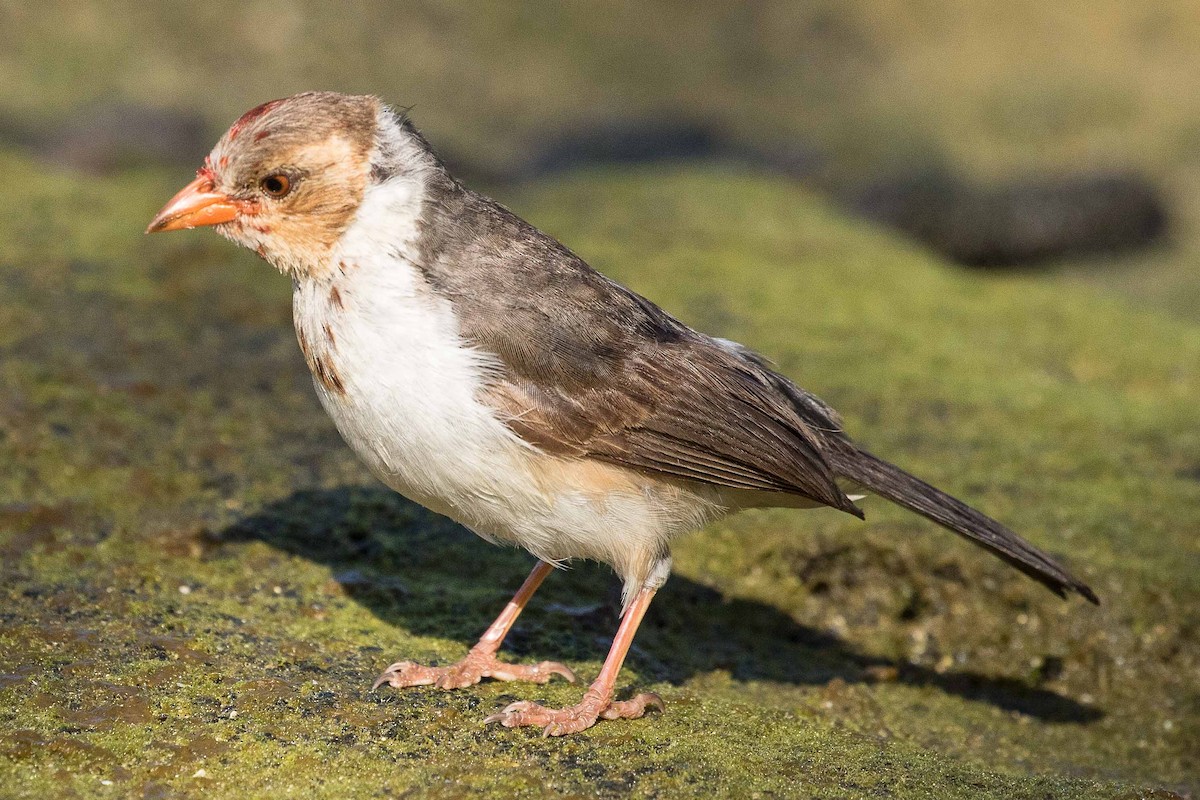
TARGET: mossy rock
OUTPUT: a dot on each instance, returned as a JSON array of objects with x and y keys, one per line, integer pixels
[{"x": 199, "y": 582}]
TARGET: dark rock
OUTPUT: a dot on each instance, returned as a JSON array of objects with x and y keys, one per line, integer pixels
[
  {"x": 625, "y": 141},
  {"x": 110, "y": 136},
  {"x": 1020, "y": 223}
]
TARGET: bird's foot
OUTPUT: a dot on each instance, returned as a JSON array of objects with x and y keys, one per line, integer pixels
[
  {"x": 471, "y": 670},
  {"x": 563, "y": 721}
]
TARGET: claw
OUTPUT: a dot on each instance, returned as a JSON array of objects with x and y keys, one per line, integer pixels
[
  {"x": 396, "y": 675},
  {"x": 554, "y": 668},
  {"x": 510, "y": 715},
  {"x": 635, "y": 708}
]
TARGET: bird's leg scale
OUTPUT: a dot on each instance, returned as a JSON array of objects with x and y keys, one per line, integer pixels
[
  {"x": 481, "y": 661},
  {"x": 598, "y": 700}
]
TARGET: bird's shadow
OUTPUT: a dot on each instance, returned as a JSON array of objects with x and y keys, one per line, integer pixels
[{"x": 419, "y": 571}]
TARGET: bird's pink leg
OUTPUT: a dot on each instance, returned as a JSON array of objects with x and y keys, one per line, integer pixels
[
  {"x": 597, "y": 700},
  {"x": 481, "y": 661}
]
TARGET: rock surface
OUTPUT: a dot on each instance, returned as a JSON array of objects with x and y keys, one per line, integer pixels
[{"x": 198, "y": 583}]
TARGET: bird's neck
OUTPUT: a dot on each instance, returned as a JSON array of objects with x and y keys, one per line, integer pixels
[
  {"x": 386, "y": 227},
  {"x": 402, "y": 170}
]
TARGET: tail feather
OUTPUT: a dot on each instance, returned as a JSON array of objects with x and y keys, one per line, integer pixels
[{"x": 893, "y": 483}]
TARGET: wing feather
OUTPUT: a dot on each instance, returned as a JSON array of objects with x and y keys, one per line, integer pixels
[{"x": 589, "y": 369}]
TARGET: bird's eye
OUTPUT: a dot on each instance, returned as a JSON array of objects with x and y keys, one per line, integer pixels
[{"x": 276, "y": 185}]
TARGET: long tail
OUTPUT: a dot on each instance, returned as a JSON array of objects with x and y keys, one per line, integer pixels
[{"x": 893, "y": 483}]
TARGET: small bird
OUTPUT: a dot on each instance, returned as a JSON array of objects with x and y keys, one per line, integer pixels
[{"x": 482, "y": 369}]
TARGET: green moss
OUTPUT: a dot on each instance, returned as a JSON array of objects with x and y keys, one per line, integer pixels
[{"x": 199, "y": 582}]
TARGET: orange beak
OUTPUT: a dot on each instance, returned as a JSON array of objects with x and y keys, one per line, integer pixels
[{"x": 197, "y": 204}]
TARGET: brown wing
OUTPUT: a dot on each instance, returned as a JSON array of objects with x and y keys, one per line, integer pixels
[
  {"x": 687, "y": 410},
  {"x": 594, "y": 370}
]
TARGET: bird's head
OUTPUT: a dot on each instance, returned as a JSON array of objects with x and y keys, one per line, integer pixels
[{"x": 287, "y": 178}]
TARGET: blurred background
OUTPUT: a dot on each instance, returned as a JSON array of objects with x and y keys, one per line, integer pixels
[
  {"x": 972, "y": 227},
  {"x": 1027, "y": 133}
]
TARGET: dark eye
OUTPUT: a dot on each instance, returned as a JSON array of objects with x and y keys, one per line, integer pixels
[{"x": 276, "y": 185}]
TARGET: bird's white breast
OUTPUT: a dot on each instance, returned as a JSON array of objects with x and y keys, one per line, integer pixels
[
  {"x": 403, "y": 389},
  {"x": 408, "y": 404}
]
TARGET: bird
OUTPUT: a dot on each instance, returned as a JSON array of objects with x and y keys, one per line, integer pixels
[{"x": 482, "y": 369}]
